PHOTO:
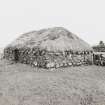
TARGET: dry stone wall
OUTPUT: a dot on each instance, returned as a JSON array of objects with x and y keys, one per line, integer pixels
[
  {"x": 9, "y": 53},
  {"x": 41, "y": 58}
]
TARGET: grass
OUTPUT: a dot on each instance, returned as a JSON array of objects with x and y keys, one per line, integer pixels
[{"x": 23, "y": 85}]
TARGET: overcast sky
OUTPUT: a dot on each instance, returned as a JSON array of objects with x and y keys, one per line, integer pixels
[{"x": 86, "y": 18}]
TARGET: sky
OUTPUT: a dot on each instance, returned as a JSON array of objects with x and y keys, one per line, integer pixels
[{"x": 86, "y": 18}]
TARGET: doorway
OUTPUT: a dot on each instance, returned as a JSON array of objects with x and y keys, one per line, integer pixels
[{"x": 16, "y": 55}]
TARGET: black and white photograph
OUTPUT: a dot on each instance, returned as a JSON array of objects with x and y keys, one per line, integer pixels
[{"x": 52, "y": 52}]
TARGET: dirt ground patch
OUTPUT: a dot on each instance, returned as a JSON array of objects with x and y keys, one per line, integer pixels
[{"x": 23, "y": 85}]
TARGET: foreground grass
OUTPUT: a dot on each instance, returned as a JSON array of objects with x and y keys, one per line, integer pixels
[{"x": 22, "y": 85}]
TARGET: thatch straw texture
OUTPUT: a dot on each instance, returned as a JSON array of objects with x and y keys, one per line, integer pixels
[{"x": 52, "y": 39}]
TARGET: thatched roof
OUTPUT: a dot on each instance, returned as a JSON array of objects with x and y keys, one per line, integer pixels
[{"x": 52, "y": 39}]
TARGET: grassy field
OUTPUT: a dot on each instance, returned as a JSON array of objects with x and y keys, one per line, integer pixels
[{"x": 22, "y": 85}]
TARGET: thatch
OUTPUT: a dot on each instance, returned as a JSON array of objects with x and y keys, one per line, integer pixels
[{"x": 52, "y": 39}]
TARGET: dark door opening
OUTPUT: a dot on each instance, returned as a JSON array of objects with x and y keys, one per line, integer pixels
[{"x": 16, "y": 55}]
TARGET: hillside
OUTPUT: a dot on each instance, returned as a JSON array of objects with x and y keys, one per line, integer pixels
[{"x": 22, "y": 85}]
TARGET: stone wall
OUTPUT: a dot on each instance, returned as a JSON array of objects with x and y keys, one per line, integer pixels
[
  {"x": 9, "y": 53},
  {"x": 41, "y": 58}
]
